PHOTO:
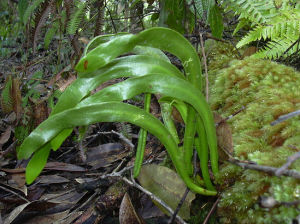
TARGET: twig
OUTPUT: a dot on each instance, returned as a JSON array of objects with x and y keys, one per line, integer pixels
[
  {"x": 112, "y": 21},
  {"x": 121, "y": 136},
  {"x": 230, "y": 116},
  {"x": 211, "y": 211},
  {"x": 134, "y": 184},
  {"x": 172, "y": 219},
  {"x": 285, "y": 117},
  {"x": 267, "y": 169},
  {"x": 152, "y": 196},
  {"x": 289, "y": 162},
  {"x": 205, "y": 65}
]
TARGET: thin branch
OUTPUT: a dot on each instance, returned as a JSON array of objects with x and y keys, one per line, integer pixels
[
  {"x": 266, "y": 169},
  {"x": 112, "y": 21},
  {"x": 119, "y": 174},
  {"x": 152, "y": 196},
  {"x": 122, "y": 137},
  {"x": 230, "y": 116},
  {"x": 285, "y": 117},
  {"x": 289, "y": 162},
  {"x": 172, "y": 219},
  {"x": 211, "y": 211}
]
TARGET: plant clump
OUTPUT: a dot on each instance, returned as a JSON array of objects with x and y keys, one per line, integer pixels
[{"x": 267, "y": 90}]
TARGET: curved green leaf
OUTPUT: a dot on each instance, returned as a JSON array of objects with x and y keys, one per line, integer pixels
[
  {"x": 168, "y": 86},
  {"x": 37, "y": 163},
  {"x": 164, "y": 39},
  {"x": 108, "y": 112},
  {"x": 130, "y": 66}
]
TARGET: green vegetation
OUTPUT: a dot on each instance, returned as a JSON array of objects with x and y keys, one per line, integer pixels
[{"x": 138, "y": 67}]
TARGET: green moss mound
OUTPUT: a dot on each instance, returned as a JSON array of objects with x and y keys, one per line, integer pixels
[{"x": 267, "y": 90}]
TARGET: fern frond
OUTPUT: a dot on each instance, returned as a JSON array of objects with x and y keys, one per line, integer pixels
[
  {"x": 32, "y": 7},
  {"x": 241, "y": 24},
  {"x": 257, "y": 11},
  {"x": 50, "y": 34},
  {"x": 6, "y": 100},
  {"x": 76, "y": 18},
  {"x": 282, "y": 28},
  {"x": 275, "y": 49},
  {"x": 22, "y": 6},
  {"x": 253, "y": 35},
  {"x": 40, "y": 20}
]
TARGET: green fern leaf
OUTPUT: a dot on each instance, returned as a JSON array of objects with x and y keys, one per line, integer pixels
[
  {"x": 50, "y": 34},
  {"x": 241, "y": 24},
  {"x": 33, "y": 5},
  {"x": 22, "y": 6},
  {"x": 76, "y": 18},
  {"x": 275, "y": 49},
  {"x": 253, "y": 35},
  {"x": 257, "y": 11},
  {"x": 6, "y": 100}
]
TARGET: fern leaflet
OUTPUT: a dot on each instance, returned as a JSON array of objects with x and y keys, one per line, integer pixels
[{"x": 76, "y": 18}]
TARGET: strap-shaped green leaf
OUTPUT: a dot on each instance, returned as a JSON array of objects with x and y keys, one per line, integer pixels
[
  {"x": 168, "y": 86},
  {"x": 151, "y": 74},
  {"x": 161, "y": 38},
  {"x": 137, "y": 65},
  {"x": 109, "y": 112},
  {"x": 164, "y": 39}
]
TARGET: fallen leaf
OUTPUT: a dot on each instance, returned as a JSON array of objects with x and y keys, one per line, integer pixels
[
  {"x": 249, "y": 51},
  {"x": 167, "y": 185},
  {"x": 64, "y": 83},
  {"x": 47, "y": 219},
  {"x": 64, "y": 167},
  {"x": 67, "y": 197},
  {"x": 19, "y": 179},
  {"x": 85, "y": 216},
  {"x": 52, "y": 179},
  {"x": 127, "y": 214},
  {"x": 14, "y": 214},
  {"x": 29, "y": 206},
  {"x": 5, "y": 136},
  {"x": 224, "y": 137},
  {"x": 105, "y": 155}
]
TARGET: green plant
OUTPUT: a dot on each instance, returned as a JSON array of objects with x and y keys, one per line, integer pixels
[
  {"x": 276, "y": 22},
  {"x": 149, "y": 72}
]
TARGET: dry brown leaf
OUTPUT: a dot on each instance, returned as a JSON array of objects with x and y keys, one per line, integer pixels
[
  {"x": 66, "y": 197},
  {"x": 5, "y": 136},
  {"x": 17, "y": 99},
  {"x": 168, "y": 186},
  {"x": 127, "y": 214},
  {"x": 224, "y": 136},
  {"x": 85, "y": 216},
  {"x": 64, "y": 167},
  {"x": 58, "y": 76},
  {"x": 105, "y": 155},
  {"x": 64, "y": 83},
  {"x": 39, "y": 110},
  {"x": 40, "y": 206},
  {"x": 52, "y": 179},
  {"x": 48, "y": 219},
  {"x": 14, "y": 214},
  {"x": 249, "y": 51},
  {"x": 19, "y": 179}
]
